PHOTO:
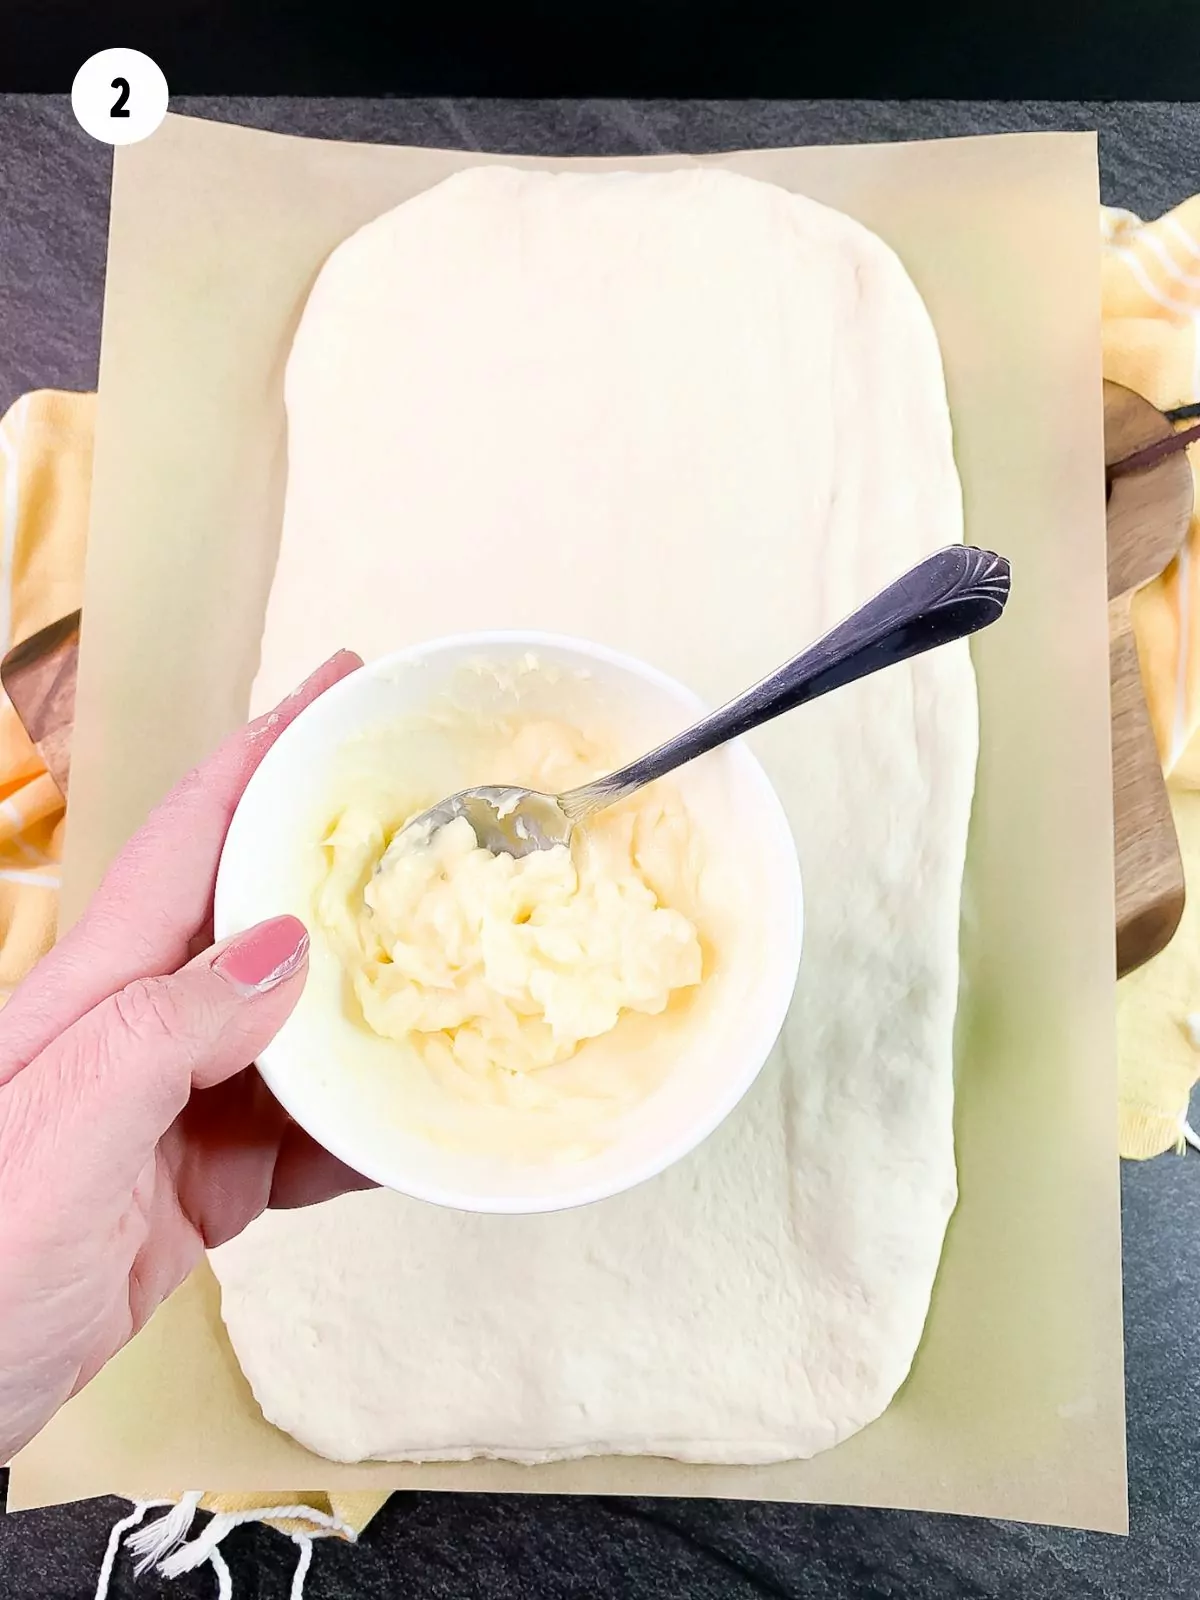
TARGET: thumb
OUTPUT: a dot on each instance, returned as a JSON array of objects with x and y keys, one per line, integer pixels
[
  {"x": 210, "y": 1019},
  {"x": 140, "y": 1053}
]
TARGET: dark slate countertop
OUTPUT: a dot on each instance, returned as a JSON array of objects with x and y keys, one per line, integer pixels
[{"x": 53, "y": 218}]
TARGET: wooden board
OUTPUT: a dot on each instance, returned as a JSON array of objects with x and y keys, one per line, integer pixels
[{"x": 1148, "y": 515}]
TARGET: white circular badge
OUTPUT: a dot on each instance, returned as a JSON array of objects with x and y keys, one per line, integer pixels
[{"x": 119, "y": 96}]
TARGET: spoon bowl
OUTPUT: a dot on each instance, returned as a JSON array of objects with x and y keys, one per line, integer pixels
[{"x": 507, "y": 821}]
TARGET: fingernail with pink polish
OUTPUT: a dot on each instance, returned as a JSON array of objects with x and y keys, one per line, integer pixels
[
  {"x": 264, "y": 956},
  {"x": 334, "y": 659}
]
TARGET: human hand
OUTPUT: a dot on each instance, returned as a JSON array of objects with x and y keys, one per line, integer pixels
[{"x": 134, "y": 1133}]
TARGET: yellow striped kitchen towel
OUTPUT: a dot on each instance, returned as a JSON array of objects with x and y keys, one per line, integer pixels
[
  {"x": 45, "y": 478},
  {"x": 1151, "y": 331}
]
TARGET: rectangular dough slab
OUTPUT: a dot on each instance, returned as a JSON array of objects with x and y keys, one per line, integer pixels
[{"x": 653, "y": 411}]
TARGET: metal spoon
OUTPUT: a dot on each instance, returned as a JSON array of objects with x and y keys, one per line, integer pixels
[{"x": 945, "y": 597}]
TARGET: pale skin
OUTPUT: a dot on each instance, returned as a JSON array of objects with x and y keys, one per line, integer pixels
[{"x": 134, "y": 1131}]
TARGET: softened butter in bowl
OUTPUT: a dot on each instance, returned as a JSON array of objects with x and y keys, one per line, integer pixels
[{"x": 502, "y": 1035}]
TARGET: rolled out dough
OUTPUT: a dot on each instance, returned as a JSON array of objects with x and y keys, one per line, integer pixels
[{"x": 699, "y": 418}]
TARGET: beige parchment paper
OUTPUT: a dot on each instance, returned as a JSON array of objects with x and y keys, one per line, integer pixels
[{"x": 1015, "y": 1404}]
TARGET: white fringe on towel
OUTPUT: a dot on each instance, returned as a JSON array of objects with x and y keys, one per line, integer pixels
[
  {"x": 161, "y": 1543},
  {"x": 120, "y": 1529}
]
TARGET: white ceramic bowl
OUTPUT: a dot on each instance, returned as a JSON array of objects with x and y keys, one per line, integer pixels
[{"x": 730, "y": 796}]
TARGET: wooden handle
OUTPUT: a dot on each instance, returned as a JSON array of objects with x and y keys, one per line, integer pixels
[
  {"x": 1149, "y": 871},
  {"x": 1148, "y": 515}
]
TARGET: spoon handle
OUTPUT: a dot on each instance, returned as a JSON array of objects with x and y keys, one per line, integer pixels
[{"x": 947, "y": 596}]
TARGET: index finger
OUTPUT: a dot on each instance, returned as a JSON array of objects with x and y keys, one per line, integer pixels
[{"x": 157, "y": 894}]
